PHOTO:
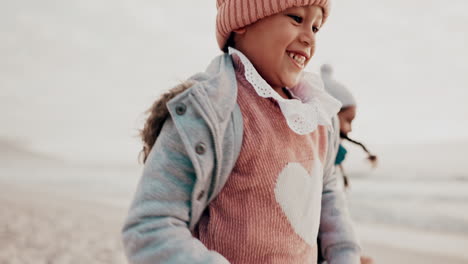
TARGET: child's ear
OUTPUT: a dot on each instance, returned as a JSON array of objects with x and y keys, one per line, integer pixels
[{"x": 240, "y": 31}]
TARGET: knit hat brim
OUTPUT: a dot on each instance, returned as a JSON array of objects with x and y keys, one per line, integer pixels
[{"x": 235, "y": 14}]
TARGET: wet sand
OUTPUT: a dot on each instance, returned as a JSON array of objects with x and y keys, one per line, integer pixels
[{"x": 44, "y": 227}]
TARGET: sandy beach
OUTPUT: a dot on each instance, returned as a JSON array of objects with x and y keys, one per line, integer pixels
[
  {"x": 37, "y": 226},
  {"x": 40, "y": 228},
  {"x": 57, "y": 212},
  {"x": 76, "y": 78}
]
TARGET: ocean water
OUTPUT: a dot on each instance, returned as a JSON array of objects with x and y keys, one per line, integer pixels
[
  {"x": 427, "y": 193},
  {"x": 77, "y": 76},
  {"x": 416, "y": 186}
]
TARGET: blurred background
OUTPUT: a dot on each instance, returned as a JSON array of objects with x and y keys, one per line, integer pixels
[{"x": 77, "y": 76}]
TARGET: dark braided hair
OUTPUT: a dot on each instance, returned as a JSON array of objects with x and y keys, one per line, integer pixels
[{"x": 372, "y": 158}]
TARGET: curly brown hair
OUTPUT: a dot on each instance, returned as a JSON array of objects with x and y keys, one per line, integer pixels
[{"x": 157, "y": 114}]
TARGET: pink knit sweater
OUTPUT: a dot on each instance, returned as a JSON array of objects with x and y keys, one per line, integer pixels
[{"x": 255, "y": 219}]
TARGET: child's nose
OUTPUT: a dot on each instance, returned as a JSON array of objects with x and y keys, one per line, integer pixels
[
  {"x": 347, "y": 128},
  {"x": 307, "y": 37}
]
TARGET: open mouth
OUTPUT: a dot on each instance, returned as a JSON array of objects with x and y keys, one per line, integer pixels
[{"x": 297, "y": 58}]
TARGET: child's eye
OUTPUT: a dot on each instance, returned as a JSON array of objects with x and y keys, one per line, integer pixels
[
  {"x": 298, "y": 19},
  {"x": 315, "y": 29}
]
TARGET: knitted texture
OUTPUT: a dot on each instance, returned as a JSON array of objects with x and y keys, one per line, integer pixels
[
  {"x": 235, "y": 14},
  {"x": 253, "y": 219},
  {"x": 336, "y": 89}
]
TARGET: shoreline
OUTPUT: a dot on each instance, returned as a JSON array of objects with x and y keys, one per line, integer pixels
[
  {"x": 417, "y": 241},
  {"x": 384, "y": 254},
  {"x": 38, "y": 225}
]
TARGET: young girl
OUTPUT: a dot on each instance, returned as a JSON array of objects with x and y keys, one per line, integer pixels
[
  {"x": 239, "y": 159},
  {"x": 346, "y": 116}
]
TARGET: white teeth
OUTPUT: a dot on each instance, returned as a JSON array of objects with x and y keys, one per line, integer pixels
[
  {"x": 300, "y": 59},
  {"x": 297, "y": 57}
]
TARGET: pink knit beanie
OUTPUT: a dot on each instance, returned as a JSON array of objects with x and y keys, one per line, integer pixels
[{"x": 235, "y": 14}]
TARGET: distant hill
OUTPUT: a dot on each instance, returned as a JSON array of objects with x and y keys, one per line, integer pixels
[
  {"x": 429, "y": 161},
  {"x": 15, "y": 153},
  {"x": 15, "y": 150}
]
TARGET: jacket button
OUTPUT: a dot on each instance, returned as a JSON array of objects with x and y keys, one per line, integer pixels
[
  {"x": 200, "y": 148},
  {"x": 200, "y": 195},
  {"x": 180, "y": 109}
]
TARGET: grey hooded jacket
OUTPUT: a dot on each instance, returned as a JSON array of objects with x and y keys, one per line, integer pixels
[{"x": 191, "y": 160}]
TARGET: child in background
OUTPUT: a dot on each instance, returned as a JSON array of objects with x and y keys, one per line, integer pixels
[
  {"x": 346, "y": 116},
  {"x": 239, "y": 159}
]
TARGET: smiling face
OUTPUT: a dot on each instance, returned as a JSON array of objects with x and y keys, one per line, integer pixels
[{"x": 281, "y": 45}]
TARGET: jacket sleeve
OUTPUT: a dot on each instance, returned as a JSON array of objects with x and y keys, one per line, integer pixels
[
  {"x": 338, "y": 242},
  {"x": 157, "y": 226}
]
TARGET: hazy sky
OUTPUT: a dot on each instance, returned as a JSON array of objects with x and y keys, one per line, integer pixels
[{"x": 76, "y": 75}]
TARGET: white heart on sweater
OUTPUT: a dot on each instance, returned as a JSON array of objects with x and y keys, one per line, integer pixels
[{"x": 300, "y": 197}]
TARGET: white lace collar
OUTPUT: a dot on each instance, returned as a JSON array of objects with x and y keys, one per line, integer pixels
[{"x": 312, "y": 105}]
